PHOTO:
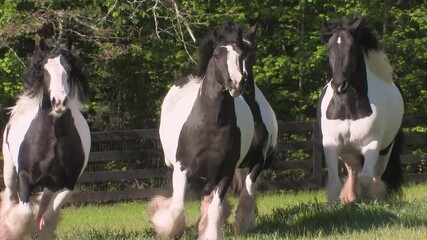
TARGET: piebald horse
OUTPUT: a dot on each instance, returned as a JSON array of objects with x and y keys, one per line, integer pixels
[
  {"x": 360, "y": 112},
  {"x": 46, "y": 142},
  {"x": 206, "y": 130},
  {"x": 264, "y": 142}
]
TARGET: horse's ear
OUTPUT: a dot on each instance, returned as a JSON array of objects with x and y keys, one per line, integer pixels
[
  {"x": 250, "y": 34},
  {"x": 356, "y": 23},
  {"x": 41, "y": 44},
  {"x": 69, "y": 43}
]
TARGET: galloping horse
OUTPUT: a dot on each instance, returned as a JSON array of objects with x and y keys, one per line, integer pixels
[
  {"x": 206, "y": 130},
  {"x": 46, "y": 142},
  {"x": 263, "y": 147},
  {"x": 360, "y": 112}
]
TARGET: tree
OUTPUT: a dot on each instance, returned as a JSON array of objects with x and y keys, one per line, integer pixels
[{"x": 135, "y": 50}]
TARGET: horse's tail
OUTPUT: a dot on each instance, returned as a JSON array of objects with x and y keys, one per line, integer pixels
[{"x": 393, "y": 174}]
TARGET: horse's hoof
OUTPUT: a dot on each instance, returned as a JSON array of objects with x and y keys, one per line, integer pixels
[{"x": 364, "y": 180}]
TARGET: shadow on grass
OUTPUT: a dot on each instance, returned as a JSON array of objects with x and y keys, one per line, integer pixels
[{"x": 310, "y": 219}]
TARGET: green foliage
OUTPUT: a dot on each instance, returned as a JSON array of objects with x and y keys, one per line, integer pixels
[{"x": 135, "y": 50}]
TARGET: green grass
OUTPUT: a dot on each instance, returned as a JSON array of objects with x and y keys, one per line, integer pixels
[{"x": 285, "y": 215}]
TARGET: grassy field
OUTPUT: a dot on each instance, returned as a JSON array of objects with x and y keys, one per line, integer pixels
[{"x": 284, "y": 215}]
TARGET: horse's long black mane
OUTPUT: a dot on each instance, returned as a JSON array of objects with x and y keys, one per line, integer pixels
[
  {"x": 34, "y": 74},
  {"x": 358, "y": 27},
  {"x": 227, "y": 33}
]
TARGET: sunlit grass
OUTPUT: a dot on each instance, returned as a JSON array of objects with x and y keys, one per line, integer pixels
[{"x": 284, "y": 215}]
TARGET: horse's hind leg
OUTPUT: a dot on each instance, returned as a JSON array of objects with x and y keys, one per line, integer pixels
[
  {"x": 50, "y": 217},
  {"x": 168, "y": 214},
  {"x": 245, "y": 215}
]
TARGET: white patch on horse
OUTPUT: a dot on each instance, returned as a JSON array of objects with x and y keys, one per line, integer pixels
[
  {"x": 339, "y": 40},
  {"x": 176, "y": 108},
  {"x": 244, "y": 120},
  {"x": 378, "y": 63},
  {"x": 58, "y": 88},
  {"x": 233, "y": 65}
]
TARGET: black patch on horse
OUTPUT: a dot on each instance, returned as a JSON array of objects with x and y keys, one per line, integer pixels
[
  {"x": 347, "y": 40},
  {"x": 51, "y": 154}
]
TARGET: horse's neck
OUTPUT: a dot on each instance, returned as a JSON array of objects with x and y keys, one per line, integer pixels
[
  {"x": 213, "y": 101},
  {"x": 378, "y": 64}
]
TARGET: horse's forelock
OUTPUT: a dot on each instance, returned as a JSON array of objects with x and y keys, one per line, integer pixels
[{"x": 358, "y": 27}]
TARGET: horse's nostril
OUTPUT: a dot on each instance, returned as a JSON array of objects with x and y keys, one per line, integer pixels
[
  {"x": 53, "y": 101},
  {"x": 65, "y": 101}
]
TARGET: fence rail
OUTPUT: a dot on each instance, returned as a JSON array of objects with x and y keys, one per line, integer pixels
[{"x": 126, "y": 165}]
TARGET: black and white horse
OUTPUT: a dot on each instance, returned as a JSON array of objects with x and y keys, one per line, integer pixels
[
  {"x": 206, "y": 130},
  {"x": 262, "y": 150},
  {"x": 46, "y": 142},
  {"x": 360, "y": 113}
]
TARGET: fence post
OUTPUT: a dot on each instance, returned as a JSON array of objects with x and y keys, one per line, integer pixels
[{"x": 316, "y": 180}]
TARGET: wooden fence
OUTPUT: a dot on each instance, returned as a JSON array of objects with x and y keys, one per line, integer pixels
[
  {"x": 127, "y": 165},
  {"x": 130, "y": 163}
]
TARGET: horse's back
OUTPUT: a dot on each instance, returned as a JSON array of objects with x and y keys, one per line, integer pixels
[{"x": 176, "y": 108}]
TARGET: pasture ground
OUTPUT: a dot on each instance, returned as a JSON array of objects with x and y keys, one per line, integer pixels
[{"x": 282, "y": 215}]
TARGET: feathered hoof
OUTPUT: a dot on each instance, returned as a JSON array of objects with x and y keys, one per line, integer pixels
[
  {"x": 6, "y": 203},
  {"x": 376, "y": 191},
  {"x": 167, "y": 224},
  {"x": 364, "y": 180},
  {"x": 5, "y": 233},
  {"x": 47, "y": 228},
  {"x": 244, "y": 219},
  {"x": 17, "y": 222},
  {"x": 348, "y": 193}
]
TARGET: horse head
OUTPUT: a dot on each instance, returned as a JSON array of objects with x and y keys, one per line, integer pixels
[
  {"x": 347, "y": 41},
  {"x": 57, "y": 74},
  {"x": 228, "y": 55}
]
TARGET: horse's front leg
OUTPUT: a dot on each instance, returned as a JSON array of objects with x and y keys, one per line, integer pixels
[
  {"x": 10, "y": 176},
  {"x": 334, "y": 183},
  {"x": 353, "y": 165},
  {"x": 366, "y": 176},
  {"x": 214, "y": 212},
  {"x": 50, "y": 217}
]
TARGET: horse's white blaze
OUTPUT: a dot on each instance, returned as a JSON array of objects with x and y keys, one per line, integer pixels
[
  {"x": 58, "y": 88},
  {"x": 339, "y": 40},
  {"x": 234, "y": 71},
  {"x": 244, "y": 121},
  {"x": 175, "y": 110},
  {"x": 269, "y": 119}
]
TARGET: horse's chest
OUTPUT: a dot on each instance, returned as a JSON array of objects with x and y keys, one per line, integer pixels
[
  {"x": 52, "y": 151},
  {"x": 348, "y": 133},
  {"x": 204, "y": 149}
]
